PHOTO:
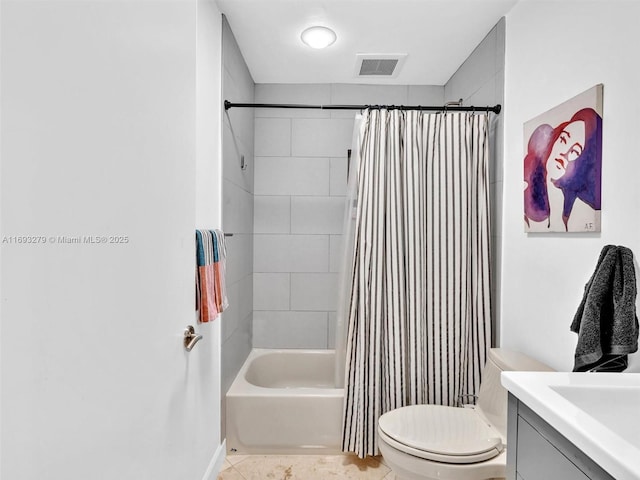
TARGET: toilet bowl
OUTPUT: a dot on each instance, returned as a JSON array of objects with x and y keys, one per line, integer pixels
[{"x": 434, "y": 442}]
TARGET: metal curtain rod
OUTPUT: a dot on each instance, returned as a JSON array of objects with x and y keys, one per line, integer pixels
[{"x": 494, "y": 109}]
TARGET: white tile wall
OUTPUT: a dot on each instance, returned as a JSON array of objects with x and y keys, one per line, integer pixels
[
  {"x": 338, "y": 176},
  {"x": 497, "y": 208},
  {"x": 319, "y": 137},
  {"x": 231, "y": 316},
  {"x": 291, "y": 253},
  {"x": 485, "y": 95},
  {"x": 237, "y": 208},
  {"x": 239, "y": 308},
  {"x": 331, "y": 330},
  {"x": 292, "y": 176},
  {"x": 235, "y": 66},
  {"x": 273, "y": 137},
  {"x": 238, "y": 263},
  {"x": 425, "y": 95},
  {"x": 300, "y": 184},
  {"x": 352, "y": 94},
  {"x": 314, "y": 291},
  {"x": 245, "y": 291},
  {"x": 232, "y": 151},
  {"x": 308, "y": 94},
  {"x": 480, "y": 81},
  {"x": 290, "y": 329},
  {"x": 358, "y": 94},
  {"x": 321, "y": 215},
  {"x": 272, "y": 214},
  {"x": 235, "y": 350},
  {"x": 271, "y": 291},
  {"x": 477, "y": 69},
  {"x": 240, "y": 119},
  {"x": 497, "y": 173},
  {"x": 335, "y": 253},
  {"x": 237, "y": 211}
]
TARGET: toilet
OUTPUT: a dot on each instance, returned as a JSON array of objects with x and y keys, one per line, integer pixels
[{"x": 434, "y": 442}]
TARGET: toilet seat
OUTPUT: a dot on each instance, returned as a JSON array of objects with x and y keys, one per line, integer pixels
[{"x": 440, "y": 433}]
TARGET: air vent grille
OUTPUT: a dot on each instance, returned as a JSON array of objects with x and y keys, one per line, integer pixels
[{"x": 378, "y": 66}]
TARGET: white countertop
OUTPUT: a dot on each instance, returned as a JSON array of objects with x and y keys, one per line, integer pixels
[{"x": 598, "y": 412}]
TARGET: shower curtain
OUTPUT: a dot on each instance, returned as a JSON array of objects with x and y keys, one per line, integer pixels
[{"x": 416, "y": 287}]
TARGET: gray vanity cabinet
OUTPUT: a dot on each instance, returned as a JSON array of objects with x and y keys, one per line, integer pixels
[{"x": 536, "y": 451}]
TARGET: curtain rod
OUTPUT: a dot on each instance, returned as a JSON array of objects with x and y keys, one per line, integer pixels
[{"x": 494, "y": 109}]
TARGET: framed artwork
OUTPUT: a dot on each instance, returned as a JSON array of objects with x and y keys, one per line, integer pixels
[{"x": 562, "y": 166}]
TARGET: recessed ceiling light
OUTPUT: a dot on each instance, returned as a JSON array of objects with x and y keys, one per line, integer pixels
[{"x": 318, "y": 37}]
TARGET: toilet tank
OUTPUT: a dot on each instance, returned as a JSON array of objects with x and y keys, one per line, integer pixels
[{"x": 492, "y": 397}]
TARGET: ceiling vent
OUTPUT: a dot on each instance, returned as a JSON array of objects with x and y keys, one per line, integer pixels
[{"x": 379, "y": 64}]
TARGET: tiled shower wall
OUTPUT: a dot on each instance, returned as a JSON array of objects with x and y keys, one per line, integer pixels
[
  {"x": 480, "y": 81},
  {"x": 299, "y": 195},
  {"x": 237, "y": 210}
]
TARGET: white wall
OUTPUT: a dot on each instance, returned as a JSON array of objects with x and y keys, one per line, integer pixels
[
  {"x": 209, "y": 113},
  {"x": 556, "y": 50},
  {"x": 208, "y": 212},
  {"x": 99, "y": 138},
  {"x": 300, "y": 187},
  {"x": 480, "y": 81}
]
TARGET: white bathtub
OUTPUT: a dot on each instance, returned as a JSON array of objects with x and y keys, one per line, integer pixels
[{"x": 284, "y": 401}]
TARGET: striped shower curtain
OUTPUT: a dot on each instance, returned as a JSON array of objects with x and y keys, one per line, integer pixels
[{"x": 418, "y": 306}]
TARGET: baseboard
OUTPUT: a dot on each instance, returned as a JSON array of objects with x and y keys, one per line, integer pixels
[{"x": 215, "y": 465}]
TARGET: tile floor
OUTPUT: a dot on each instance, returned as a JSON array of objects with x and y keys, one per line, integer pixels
[{"x": 304, "y": 467}]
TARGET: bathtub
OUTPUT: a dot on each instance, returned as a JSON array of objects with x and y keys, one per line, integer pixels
[{"x": 284, "y": 401}]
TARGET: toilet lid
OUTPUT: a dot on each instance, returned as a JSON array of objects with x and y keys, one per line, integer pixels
[{"x": 447, "y": 434}]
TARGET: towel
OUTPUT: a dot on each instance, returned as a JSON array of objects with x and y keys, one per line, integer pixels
[
  {"x": 219, "y": 263},
  {"x": 211, "y": 296},
  {"x": 606, "y": 321}
]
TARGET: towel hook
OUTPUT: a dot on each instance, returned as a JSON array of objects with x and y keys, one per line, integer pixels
[{"x": 190, "y": 338}]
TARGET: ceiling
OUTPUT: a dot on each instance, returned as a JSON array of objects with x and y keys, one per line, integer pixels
[{"x": 437, "y": 35}]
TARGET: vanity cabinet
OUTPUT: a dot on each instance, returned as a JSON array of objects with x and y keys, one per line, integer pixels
[{"x": 536, "y": 451}]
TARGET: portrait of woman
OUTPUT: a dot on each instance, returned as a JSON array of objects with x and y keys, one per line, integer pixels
[{"x": 562, "y": 175}]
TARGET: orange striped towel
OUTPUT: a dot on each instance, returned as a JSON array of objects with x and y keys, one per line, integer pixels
[{"x": 211, "y": 297}]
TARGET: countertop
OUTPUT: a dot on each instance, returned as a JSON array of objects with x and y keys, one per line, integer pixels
[{"x": 598, "y": 412}]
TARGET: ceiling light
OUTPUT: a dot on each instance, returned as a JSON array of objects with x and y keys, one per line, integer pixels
[{"x": 318, "y": 37}]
